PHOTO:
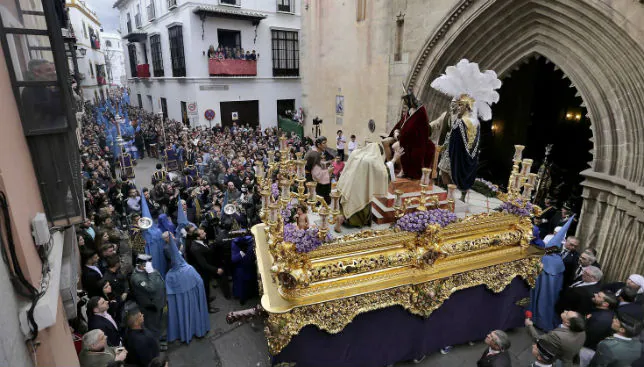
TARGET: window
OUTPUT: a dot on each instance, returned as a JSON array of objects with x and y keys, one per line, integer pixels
[
  {"x": 285, "y": 5},
  {"x": 172, "y": 4},
  {"x": 150, "y": 102},
  {"x": 229, "y": 2},
  {"x": 157, "y": 59},
  {"x": 38, "y": 71},
  {"x": 84, "y": 30},
  {"x": 131, "y": 50},
  {"x": 164, "y": 107},
  {"x": 151, "y": 11},
  {"x": 138, "y": 97},
  {"x": 286, "y": 53},
  {"x": 137, "y": 17},
  {"x": 108, "y": 43},
  {"x": 91, "y": 69},
  {"x": 129, "y": 23},
  {"x": 176, "y": 51},
  {"x": 361, "y": 10},
  {"x": 229, "y": 38}
]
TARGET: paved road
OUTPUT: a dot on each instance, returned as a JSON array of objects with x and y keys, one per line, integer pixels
[{"x": 241, "y": 345}]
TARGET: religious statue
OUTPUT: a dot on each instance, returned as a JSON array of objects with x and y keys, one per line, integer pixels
[
  {"x": 459, "y": 131},
  {"x": 413, "y": 132}
]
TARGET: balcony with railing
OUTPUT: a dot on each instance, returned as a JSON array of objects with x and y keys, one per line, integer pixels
[
  {"x": 151, "y": 12},
  {"x": 232, "y": 67},
  {"x": 137, "y": 20},
  {"x": 143, "y": 70},
  {"x": 172, "y": 4}
]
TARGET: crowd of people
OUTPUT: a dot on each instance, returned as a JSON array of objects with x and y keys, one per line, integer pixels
[
  {"x": 231, "y": 53},
  {"x": 135, "y": 282}
]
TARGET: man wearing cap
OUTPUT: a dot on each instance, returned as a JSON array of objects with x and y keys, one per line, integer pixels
[
  {"x": 148, "y": 289},
  {"x": 634, "y": 281},
  {"x": 621, "y": 349},
  {"x": 567, "y": 339},
  {"x": 544, "y": 351}
]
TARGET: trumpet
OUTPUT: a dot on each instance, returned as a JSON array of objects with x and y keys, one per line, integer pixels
[{"x": 144, "y": 223}]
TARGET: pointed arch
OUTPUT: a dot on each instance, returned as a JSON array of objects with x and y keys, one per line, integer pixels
[{"x": 603, "y": 58}]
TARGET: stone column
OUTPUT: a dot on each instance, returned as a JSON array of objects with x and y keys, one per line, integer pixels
[{"x": 612, "y": 221}]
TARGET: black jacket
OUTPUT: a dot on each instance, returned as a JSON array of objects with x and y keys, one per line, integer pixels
[
  {"x": 634, "y": 309},
  {"x": 598, "y": 327},
  {"x": 141, "y": 347},
  {"x": 99, "y": 322},
  {"x": 578, "y": 299},
  {"x": 571, "y": 261},
  {"x": 497, "y": 360},
  {"x": 90, "y": 279}
]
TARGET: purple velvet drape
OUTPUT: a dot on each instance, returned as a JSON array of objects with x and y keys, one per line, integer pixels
[{"x": 377, "y": 338}]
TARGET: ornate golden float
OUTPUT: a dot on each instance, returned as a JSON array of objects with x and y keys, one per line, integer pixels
[{"x": 373, "y": 269}]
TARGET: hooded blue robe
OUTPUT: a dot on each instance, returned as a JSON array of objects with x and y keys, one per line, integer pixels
[
  {"x": 165, "y": 223},
  {"x": 187, "y": 303},
  {"x": 545, "y": 294},
  {"x": 245, "y": 283},
  {"x": 154, "y": 243}
]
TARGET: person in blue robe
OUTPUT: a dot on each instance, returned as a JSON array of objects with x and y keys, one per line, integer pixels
[
  {"x": 545, "y": 294},
  {"x": 154, "y": 244},
  {"x": 245, "y": 284},
  {"x": 165, "y": 224},
  {"x": 187, "y": 303}
]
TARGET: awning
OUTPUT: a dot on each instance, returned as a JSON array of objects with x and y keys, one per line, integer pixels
[
  {"x": 136, "y": 36},
  {"x": 230, "y": 13}
]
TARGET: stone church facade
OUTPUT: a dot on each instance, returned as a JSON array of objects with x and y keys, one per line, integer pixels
[{"x": 366, "y": 50}]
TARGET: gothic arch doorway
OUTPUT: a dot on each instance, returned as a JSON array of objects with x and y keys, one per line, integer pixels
[{"x": 603, "y": 61}]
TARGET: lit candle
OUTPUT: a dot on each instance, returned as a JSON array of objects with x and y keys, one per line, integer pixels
[
  {"x": 451, "y": 189},
  {"x": 273, "y": 213},
  {"x": 284, "y": 185},
  {"x": 335, "y": 201},
  {"x": 312, "y": 194},
  {"x": 398, "y": 198},
  {"x": 518, "y": 152},
  {"x": 265, "y": 199},
  {"x": 526, "y": 165},
  {"x": 324, "y": 217},
  {"x": 300, "y": 168},
  {"x": 259, "y": 169},
  {"x": 424, "y": 179}
]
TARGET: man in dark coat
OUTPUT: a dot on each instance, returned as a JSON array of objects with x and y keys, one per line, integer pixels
[
  {"x": 91, "y": 274},
  {"x": 140, "y": 343},
  {"x": 148, "y": 289},
  {"x": 570, "y": 257},
  {"x": 628, "y": 305},
  {"x": 598, "y": 324},
  {"x": 496, "y": 355},
  {"x": 578, "y": 297},
  {"x": 99, "y": 318},
  {"x": 200, "y": 255}
]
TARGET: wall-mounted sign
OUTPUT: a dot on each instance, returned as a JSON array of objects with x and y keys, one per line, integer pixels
[
  {"x": 209, "y": 114},
  {"x": 192, "y": 109},
  {"x": 235, "y": 116},
  {"x": 339, "y": 105}
]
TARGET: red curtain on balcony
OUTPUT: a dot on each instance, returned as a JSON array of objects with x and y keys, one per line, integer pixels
[
  {"x": 143, "y": 70},
  {"x": 232, "y": 67}
]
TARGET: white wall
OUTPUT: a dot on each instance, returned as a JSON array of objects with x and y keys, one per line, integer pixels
[{"x": 117, "y": 57}]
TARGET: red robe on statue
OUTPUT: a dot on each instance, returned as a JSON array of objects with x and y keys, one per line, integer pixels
[{"x": 414, "y": 138}]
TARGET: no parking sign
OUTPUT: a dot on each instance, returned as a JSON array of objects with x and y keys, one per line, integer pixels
[{"x": 209, "y": 114}]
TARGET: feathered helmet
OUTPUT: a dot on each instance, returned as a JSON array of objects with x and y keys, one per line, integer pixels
[{"x": 465, "y": 83}]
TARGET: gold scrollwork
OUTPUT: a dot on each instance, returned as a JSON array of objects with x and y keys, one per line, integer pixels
[{"x": 420, "y": 299}]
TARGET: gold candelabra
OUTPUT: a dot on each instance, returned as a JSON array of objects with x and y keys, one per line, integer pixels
[
  {"x": 424, "y": 201},
  {"x": 292, "y": 185},
  {"x": 521, "y": 182}
]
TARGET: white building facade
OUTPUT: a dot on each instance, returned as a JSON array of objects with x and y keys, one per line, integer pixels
[
  {"x": 171, "y": 39},
  {"x": 114, "y": 59},
  {"x": 91, "y": 59}
]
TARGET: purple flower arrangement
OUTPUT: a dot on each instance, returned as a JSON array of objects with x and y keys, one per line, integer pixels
[
  {"x": 494, "y": 188},
  {"x": 418, "y": 221},
  {"x": 518, "y": 207},
  {"x": 305, "y": 240},
  {"x": 288, "y": 213}
]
